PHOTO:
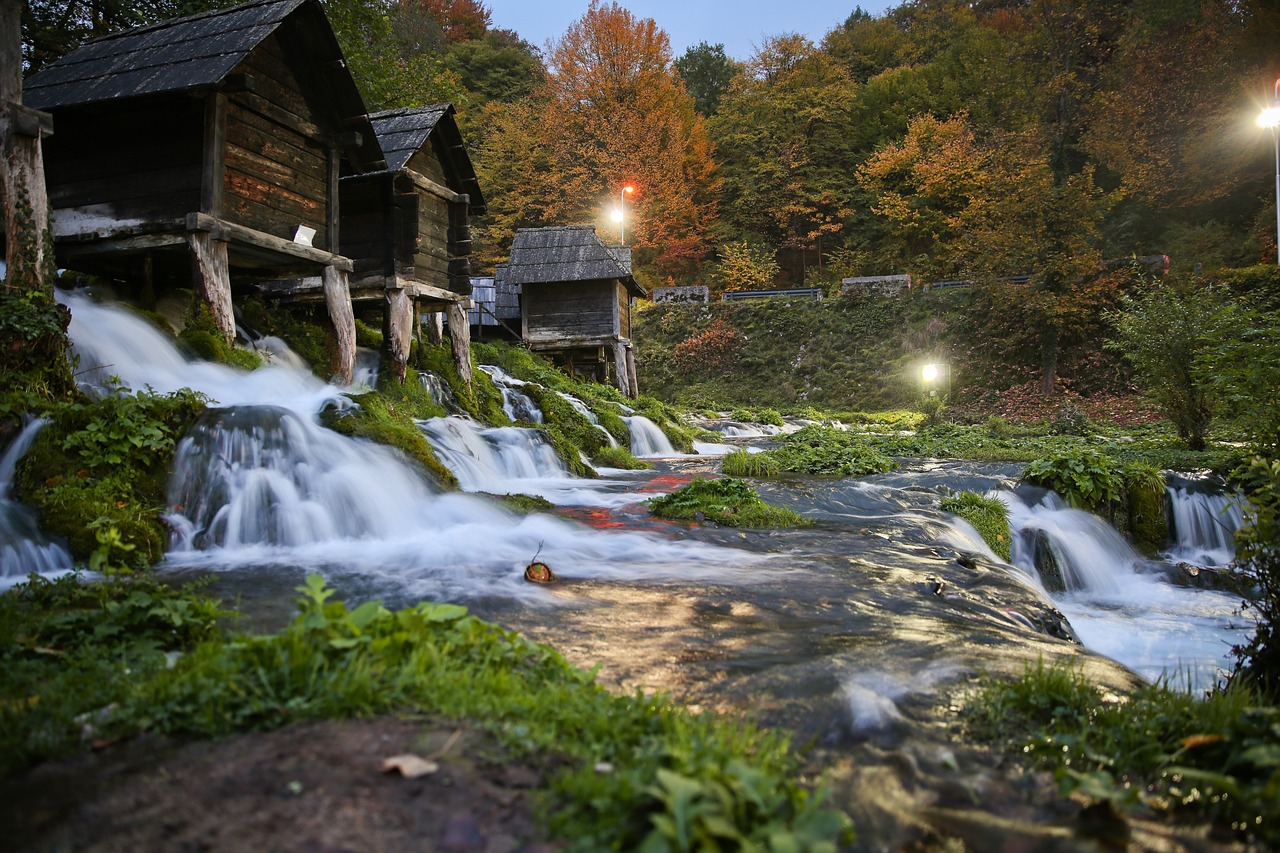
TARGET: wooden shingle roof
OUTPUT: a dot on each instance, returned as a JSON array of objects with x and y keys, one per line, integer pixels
[
  {"x": 402, "y": 133},
  {"x": 172, "y": 56},
  {"x": 567, "y": 253}
]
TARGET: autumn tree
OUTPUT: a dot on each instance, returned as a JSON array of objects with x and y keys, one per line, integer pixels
[
  {"x": 612, "y": 112},
  {"x": 782, "y": 135}
]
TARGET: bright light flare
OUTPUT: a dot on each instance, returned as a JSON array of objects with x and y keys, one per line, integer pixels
[
  {"x": 1270, "y": 117},
  {"x": 616, "y": 214},
  {"x": 628, "y": 189},
  {"x": 929, "y": 373}
]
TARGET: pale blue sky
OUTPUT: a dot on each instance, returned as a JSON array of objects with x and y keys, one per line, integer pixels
[{"x": 740, "y": 25}]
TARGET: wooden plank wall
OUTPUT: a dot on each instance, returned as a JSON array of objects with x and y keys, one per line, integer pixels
[
  {"x": 569, "y": 310},
  {"x": 276, "y": 177},
  {"x": 624, "y": 311},
  {"x": 431, "y": 253},
  {"x": 128, "y": 159},
  {"x": 365, "y": 235}
]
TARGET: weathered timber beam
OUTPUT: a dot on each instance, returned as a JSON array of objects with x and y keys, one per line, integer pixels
[
  {"x": 233, "y": 233},
  {"x": 121, "y": 245},
  {"x": 72, "y": 224},
  {"x": 427, "y": 185},
  {"x": 29, "y": 122},
  {"x": 414, "y": 288},
  {"x": 540, "y": 343},
  {"x": 278, "y": 114}
]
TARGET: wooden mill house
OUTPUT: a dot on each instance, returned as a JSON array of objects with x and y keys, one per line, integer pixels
[
  {"x": 406, "y": 228},
  {"x": 576, "y": 300},
  {"x": 208, "y": 150}
]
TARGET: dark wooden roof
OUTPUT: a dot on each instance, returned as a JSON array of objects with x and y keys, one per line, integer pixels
[
  {"x": 402, "y": 133},
  {"x": 201, "y": 51},
  {"x": 567, "y": 253}
]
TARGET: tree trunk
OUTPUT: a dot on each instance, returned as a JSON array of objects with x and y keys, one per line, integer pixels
[
  {"x": 337, "y": 297},
  {"x": 22, "y": 185},
  {"x": 1048, "y": 361},
  {"x": 620, "y": 369},
  {"x": 211, "y": 280},
  {"x": 399, "y": 330},
  {"x": 460, "y": 335},
  {"x": 631, "y": 372}
]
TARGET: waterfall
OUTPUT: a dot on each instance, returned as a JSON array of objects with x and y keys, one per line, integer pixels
[
  {"x": 1069, "y": 550},
  {"x": 517, "y": 405},
  {"x": 263, "y": 475},
  {"x": 439, "y": 390},
  {"x": 647, "y": 439},
  {"x": 23, "y": 547},
  {"x": 259, "y": 485},
  {"x": 1203, "y": 524},
  {"x": 365, "y": 373},
  {"x": 488, "y": 459},
  {"x": 585, "y": 410}
]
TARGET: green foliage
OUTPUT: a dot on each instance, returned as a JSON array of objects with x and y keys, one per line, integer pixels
[
  {"x": 1144, "y": 493},
  {"x": 619, "y": 457},
  {"x": 481, "y": 399},
  {"x": 1162, "y": 329},
  {"x": 826, "y": 451},
  {"x": 1085, "y": 477},
  {"x": 1258, "y": 553},
  {"x": 672, "y": 770},
  {"x": 1241, "y": 362},
  {"x": 989, "y": 515},
  {"x": 725, "y": 501},
  {"x": 33, "y": 348},
  {"x": 706, "y": 72},
  {"x": 70, "y": 649},
  {"x": 743, "y": 463},
  {"x": 1161, "y": 748},
  {"x": 105, "y": 465},
  {"x": 380, "y": 417}
]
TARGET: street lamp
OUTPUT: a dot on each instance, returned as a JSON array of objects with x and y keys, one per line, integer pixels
[
  {"x": 621, "y": 213},
  {"x": 1270, "y": 117}
]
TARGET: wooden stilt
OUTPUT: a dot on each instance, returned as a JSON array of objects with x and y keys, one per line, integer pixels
[
  {"x": 435, "y": 328},
  {"x": 337, "y": 297},
  {"x": 631, "y": 372},
  {"x": 211, "y": 280},
  {"x": 460, "y": 335},
  {"x": 399, "y": 330},
  {"x": 620, "y": 369}
]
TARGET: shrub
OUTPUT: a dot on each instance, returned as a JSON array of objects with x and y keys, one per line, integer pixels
[
  {"x": 713, "y": 350},
  {"x": 725, "y": 501},
  {"x": 1085, "y": 477},
  {"x": 1258, "y": 552}
]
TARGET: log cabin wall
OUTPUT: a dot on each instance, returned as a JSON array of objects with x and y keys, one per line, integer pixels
[
  {"x": 430, "y": 252},
  {"x": 624, "y": 310},
  {"x": 367, "y": 217},
  {"x": 560, "y": 312},
  {"x": 98, "y": 160},
  {"x": 277, "y": 169}
]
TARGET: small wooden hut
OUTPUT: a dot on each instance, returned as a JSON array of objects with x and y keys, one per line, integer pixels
[
  {"x": 576, "y": 300},
  {"x": 207, "y": 150},
  {"x": 407, "y": 227}
]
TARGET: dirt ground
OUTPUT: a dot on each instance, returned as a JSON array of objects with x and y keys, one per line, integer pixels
[{"x": 306, "y": 788}]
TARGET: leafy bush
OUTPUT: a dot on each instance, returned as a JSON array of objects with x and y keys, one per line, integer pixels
[
  {"x": 988, "y": 515},
  {"x": 827, "y": 451},
  {"x": 725, "y": 501},
  {"x": 713, "y": 350},
  {"x": 1162, "y": 748},
  {"x": 1258, "y": 552},
  {"x": 1085, "y": 477}
]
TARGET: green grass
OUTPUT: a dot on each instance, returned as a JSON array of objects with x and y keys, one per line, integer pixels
[
  {"x": 677, "y": 780},
  {"x": 990, "y": 516},
  {"x": 743, "y": 463},
  {"x": 725, "y": 501},
  {"x": 822, "y": 451},
  {"x": 1162, "y": 748}
]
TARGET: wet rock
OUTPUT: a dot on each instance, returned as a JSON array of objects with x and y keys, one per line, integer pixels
[
  {"x": 1047, "y": 564},
  {"x": 462, "y": 835}
]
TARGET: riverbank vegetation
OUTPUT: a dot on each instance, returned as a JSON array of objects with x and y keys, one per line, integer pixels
[
  {"x": 105, "y": 661},
  {"x": 726, "y": 501},
  {"x": 1160, "y": 750}
]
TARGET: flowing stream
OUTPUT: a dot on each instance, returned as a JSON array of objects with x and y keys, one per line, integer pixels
[{"x": 866, "y": 624}]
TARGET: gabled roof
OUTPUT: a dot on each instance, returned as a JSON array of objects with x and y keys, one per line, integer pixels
[
  {"x": 402, "y": 133},
  {"x": 567, "y": 253},
  {"x": 172, "y": 56}
]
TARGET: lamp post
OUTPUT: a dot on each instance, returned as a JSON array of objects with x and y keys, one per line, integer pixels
[
  {"x": 622, "y": 210},
  {"x": 1270, "y": 117}
]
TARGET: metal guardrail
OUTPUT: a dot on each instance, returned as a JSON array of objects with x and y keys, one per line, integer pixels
[{"x": 736, "y": 295}]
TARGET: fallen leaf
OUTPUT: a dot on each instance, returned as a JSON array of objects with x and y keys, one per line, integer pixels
[
  {"x": 410, "y": 766},
  {"x": 1200, "y": 740}
]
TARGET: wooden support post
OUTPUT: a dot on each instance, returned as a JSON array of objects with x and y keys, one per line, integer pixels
[
  {"x": 620, "y": 369},
  {"x": 435, "y": 328},
  {"x": 400, "y": 313},
  {"x": 211, "y": 280},
  {"x": 460, "y": 335},
  {"x": 631, "y": 372},
  {"x": 337, "y": 297}
]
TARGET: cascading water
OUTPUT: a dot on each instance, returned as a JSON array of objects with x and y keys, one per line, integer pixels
[
  {"x": 1203, "y": 520},
  {"x": 517, "y": 405},
  {"x": 585, "y": 410},
  {"x": 23, "y": 548},
  {"x": 646, "y": 438},
  {"x": 1119, "y": 603},
  {"x": 260, "y": 484}
]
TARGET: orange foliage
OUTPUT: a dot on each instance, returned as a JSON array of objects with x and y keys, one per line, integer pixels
[
  {"x": 713, "y": 350},
  {"x": 459, "y": 20}
]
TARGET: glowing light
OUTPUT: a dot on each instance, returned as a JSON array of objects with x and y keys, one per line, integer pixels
[
  {"x": 929, "y": 373},
  {"x": 616, "y": 214},
  {"x": 1270, "y": 117}
]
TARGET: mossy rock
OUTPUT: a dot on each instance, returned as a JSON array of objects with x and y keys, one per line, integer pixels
[
  {"x": 989, "y": 516},
  {"x": 619, "y": 457},
  {"x": 381, "y": 420},
  {"x": 725, "y": 501}
]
